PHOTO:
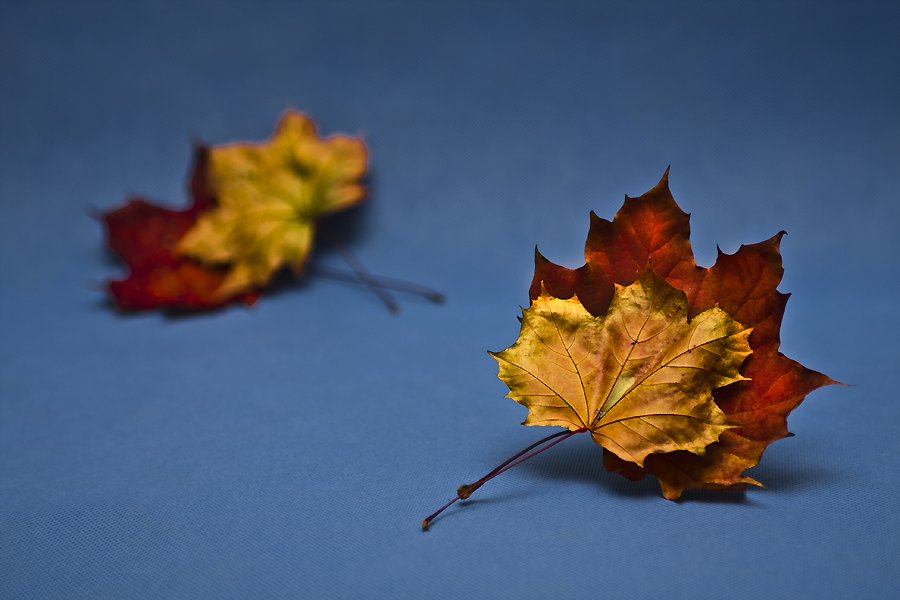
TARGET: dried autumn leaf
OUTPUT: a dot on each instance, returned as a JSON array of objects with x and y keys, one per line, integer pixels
[
  {"x": 144, "y": 235},
  {"x": 652, "y": 229},
  {"x": 639, "y": 377},
  {"x": 596, "y": 347},
  {"x": 269, "y": 197}
]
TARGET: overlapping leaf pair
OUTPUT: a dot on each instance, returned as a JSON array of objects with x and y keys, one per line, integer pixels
[
  {"x": 673, "y": 368},
  {"x": 254, "y": 210}
]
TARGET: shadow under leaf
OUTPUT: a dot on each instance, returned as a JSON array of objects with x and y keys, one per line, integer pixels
[{"x": 581, "y": 460}]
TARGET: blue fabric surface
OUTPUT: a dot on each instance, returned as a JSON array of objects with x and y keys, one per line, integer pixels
[{"x": 292, "y": 450}]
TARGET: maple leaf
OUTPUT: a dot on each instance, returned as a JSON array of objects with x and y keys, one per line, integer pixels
[
  {"x": 255, "y": 210},
  {"x": 652, "y": 229},
  {"x": 639, "y": 377},
  {"x": 673, "y": 368},
  {"x": 269, "y": 197},
  {"x": 144, "y": 235}
]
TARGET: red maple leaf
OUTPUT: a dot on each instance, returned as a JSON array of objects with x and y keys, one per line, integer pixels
[
  {"x": 653, "y": 230},
  {"x": 144, "y": 235},
  {"x": 672, "y": 368}
]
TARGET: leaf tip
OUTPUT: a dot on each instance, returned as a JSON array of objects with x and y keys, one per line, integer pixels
[{"x": 663, "y": 185}]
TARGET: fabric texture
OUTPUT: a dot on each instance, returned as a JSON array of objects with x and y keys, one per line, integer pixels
[{"x": 293, "y": 449}]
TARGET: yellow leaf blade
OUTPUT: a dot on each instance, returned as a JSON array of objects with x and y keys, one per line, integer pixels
[
  {"x": 639, "y": 377},
  {"x": 269, "y": 197}
]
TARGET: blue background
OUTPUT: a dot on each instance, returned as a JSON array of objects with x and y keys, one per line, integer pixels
[{"x": 292, "y": 450}]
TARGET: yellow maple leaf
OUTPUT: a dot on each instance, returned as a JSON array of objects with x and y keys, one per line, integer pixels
[
  {"x": 639, "y": 378},
  {"x": 269, "y": 196}
]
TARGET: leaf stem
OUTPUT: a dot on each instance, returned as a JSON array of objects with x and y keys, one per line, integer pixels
[
  {"x": 464, "y": 491},
  {"x": 373, "y": 284},
  {"x": 398, "y": 285}
]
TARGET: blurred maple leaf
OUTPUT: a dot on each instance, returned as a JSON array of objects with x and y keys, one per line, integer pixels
[
  {"x": 255, "y": 209},
  {"x": 269, "y": 197},
  {"x": 144, "y": 235}
]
